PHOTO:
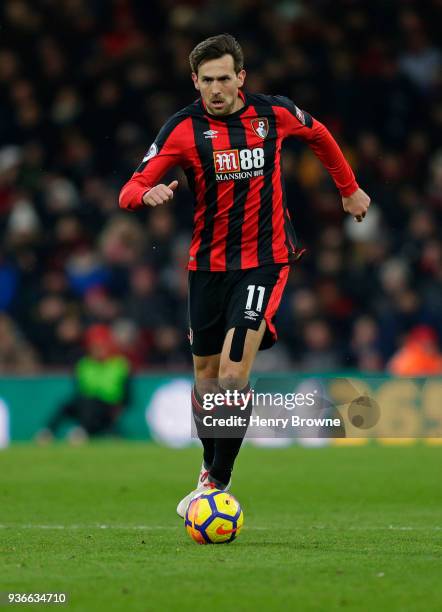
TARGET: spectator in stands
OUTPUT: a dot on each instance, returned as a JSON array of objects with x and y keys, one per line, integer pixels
[
  {"x": 102, "y": 379},
  {"x": 16, "y": 355},
  {"x": 419, "y": 354}
]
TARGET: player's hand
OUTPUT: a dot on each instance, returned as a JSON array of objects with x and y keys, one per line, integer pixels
[
  {"x": 357, "y": 204},
  {"x": 160, "y": 194}
]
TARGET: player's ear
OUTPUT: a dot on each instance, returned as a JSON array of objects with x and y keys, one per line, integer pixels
[
  {"x": 241, "y": 76},
  {"x": 195, "y": 80}
]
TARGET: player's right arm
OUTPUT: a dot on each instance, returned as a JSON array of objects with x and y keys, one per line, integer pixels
[{"x": 167, "y": 151}]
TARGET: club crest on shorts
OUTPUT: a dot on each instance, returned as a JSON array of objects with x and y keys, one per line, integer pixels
[{"x": 260, "y": 126}]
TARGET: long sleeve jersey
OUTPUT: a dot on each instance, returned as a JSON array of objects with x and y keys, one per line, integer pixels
[{"x": 233, "y": 167}]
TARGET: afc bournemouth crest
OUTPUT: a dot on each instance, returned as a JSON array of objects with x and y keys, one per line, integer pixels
[{"x": 260, "y": 126}]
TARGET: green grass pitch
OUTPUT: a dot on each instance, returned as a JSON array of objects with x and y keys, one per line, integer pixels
[{"x": 356, "y": 528}]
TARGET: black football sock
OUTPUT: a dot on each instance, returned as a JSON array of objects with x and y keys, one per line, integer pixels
[
  {"x": 227, "y": 448},
  {"x": 208, "y": 443}
]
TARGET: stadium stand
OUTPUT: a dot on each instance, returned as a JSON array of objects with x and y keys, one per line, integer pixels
[{"x": 85, "y": 86}]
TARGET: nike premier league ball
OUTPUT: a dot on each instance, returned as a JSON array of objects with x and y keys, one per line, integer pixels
[{"x": 214, "y": 518}]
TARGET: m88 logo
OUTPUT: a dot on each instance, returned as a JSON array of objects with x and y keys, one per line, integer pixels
[{"x": 235, "y": 160}]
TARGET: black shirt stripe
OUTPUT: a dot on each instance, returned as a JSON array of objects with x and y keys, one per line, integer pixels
[
  {"x": 204, "y": 148},
  {"x": 265, "y": 226}
]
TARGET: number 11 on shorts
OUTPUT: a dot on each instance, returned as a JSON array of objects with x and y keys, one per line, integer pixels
[{"x": 251, "y": 293}]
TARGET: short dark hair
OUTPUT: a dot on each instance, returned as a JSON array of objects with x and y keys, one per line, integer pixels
[{"x": 214, "y": 48}]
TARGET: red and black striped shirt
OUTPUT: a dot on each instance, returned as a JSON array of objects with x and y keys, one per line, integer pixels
[{"x": 233, "y": 167}]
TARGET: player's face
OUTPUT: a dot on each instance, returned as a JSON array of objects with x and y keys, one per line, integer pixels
[{"x": 218, "y": 84}]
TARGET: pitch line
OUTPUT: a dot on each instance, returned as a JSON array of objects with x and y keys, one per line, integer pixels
[{"x": 99, "y": 526}]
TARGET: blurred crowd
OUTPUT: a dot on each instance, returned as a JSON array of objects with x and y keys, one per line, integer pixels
[{"x": 84, "y": 87}]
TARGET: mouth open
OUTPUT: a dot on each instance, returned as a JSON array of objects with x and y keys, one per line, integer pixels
[{"x": 218, "y": 103}]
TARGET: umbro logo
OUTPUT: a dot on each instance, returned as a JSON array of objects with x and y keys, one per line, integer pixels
[
  {"x": 211, "y": 134},
  {"x": 250, "y": 314}
]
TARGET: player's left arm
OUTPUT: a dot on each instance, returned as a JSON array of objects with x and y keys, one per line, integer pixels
[{"x": 298, "y": 123}]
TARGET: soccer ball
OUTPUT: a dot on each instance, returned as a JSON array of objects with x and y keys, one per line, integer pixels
[{"x": 214, "y": 518}]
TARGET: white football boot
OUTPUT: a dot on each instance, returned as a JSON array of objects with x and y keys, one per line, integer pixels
[{"x": 202, "y": 486}]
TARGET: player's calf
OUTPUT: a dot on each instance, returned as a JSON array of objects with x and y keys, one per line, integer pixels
[
  {"x": 203, "y": 431},
  {"x": 237, "y": 404}
]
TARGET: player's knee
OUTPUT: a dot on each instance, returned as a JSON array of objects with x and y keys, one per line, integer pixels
[
  {"x": 206, "y": 369},
  {"x": 231, "y": 378}
]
